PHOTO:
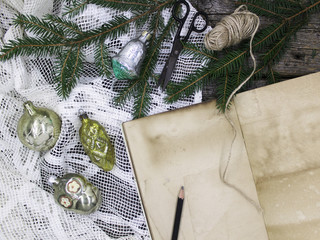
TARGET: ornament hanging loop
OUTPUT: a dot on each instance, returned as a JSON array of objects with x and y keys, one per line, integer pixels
[
  {"x": 81, "y": 112},
  {"x": 24, "y": 99}
]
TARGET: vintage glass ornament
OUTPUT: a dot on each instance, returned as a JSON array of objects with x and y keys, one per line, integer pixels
[
  {"x": 96, "y": 143},
  {"x": 126, "y": 64},
  {"x": 75, "y": 193},
  {"x": 38, "y": 128}
]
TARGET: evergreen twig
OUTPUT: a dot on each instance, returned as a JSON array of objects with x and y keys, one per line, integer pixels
[
  {"x": 229, "y": 71},
  {"x": 63, "y": 38}
]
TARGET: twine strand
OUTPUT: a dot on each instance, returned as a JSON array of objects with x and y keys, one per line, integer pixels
[
  {"x": 223, "y": 176},
  {"x": 230, "y": 31}
]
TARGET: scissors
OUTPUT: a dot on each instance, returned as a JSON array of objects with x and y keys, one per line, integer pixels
[{"x": 178, "y": 42}]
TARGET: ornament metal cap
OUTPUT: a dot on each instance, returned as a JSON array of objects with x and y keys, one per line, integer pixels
[
  {"x": 147, "y": 34},
  {"x": 53, "y": 180},
  {"x": 82, "y": 114}
]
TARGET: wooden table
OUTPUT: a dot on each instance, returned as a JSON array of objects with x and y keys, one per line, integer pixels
[{"x": 301, "y": 57}]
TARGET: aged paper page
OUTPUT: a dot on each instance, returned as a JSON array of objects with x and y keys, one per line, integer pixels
[
  {"x": 281, "y": 128},
  {"x": 184, "y": 147}
]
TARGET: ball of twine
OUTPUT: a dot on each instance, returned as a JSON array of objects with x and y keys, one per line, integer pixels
[{"x": 232, "y": 29}]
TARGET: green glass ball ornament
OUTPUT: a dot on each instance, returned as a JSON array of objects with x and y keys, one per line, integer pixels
[
  {"x": 75, "y": 193},
  {"x": 127, "y": 63},
  {"x": 96, "y": 143},
  {"x": 38, "y": 128}
]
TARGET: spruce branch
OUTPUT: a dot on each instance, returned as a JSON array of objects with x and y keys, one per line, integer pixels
[
  {"x": 31, "y": 46},
  {"x": 75, "y": 7},
  {"x": 38, "y": 26},
  {"x": 262, "y": 8},
  {"x": 69, "y": 66},
  {"x": 239, "y": 74},
  {"x": 156, "y": 26},
  {"x": 272, "y": 76},
  {"x": 114, "y": 27},
  {"x": 223, "y": 87},
  {"x": 228, "y": 71},
  {"x": 198, "y": 52},
  {"x": 142, "y": 100},
  {"x": 123, "y": 5},
  {"x": 102, "y": 59},
  {"x": 62, "y": 38},
  {"x": 69, "y": 28},
  {"x": 191, "y": 84},
  {"x": 230, "y": 62},
  {"x": 275, "y": 52},
  {"x": 126, "y": 92}
]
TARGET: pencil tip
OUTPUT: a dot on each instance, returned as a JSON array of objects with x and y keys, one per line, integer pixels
[{"x": 181, "y": 193}]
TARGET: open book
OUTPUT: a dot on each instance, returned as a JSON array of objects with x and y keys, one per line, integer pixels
[{"x": 275, "y": 161}]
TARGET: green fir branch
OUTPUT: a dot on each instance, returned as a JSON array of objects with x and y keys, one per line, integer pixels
[
  {"x": 116, "y": 27},
  {"x": 126, "y": 92},
  {"x": 142, "y": 100},
  {"x": 64, "y": 39},
  {"x": 102, "y": 59},
  {"x": 38, "y": 26},
  {"x": 271, "y": 41},
  {"x": 119, "y": 25},
  {"x": 124, "y": 5},
  {"x": 197, "y": 52},
  {"x": 262, "y": 8},
  {"x": 69, "y": 66},
  {"x": 75, "y": 7},
  {"x": 69, "y": 28},
  {"x": 156, "y": 27},
  {"x": 31, "y": 47},
  {"x": 186, "y": 88},
  {"x": 223, "y": 88},
  {"x": 272, "y": 77},
  {"x": 57, "y": 36},
  {"x": 189, "y": 86},
  {"x": 279, "y": 9},
  {"x": 150, "y": 61},
  {"x": 268, "y": 36},
  {"x": 239, "y": 74}
]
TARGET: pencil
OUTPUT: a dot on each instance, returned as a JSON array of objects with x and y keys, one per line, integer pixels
[{"x": 177, "y": 217}]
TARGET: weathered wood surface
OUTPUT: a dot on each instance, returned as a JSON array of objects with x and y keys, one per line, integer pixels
[{"x": 301, "y": 57}]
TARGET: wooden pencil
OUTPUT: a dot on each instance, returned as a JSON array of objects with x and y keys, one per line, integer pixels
[{"x": 177, "y": 217}]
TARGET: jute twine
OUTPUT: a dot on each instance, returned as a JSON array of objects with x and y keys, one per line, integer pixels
[{"x": 230, "y": 31}]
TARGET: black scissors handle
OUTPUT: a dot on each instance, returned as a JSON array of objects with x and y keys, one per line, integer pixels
[
  {"x": 193, "y": 27},
  {"x": 182, "y": 20},
  {"x": 177, "y": 42},
  {"x": 175, "y": 13}
]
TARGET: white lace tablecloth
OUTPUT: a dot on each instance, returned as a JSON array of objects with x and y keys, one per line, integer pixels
[{"x": 28, "y": 210}]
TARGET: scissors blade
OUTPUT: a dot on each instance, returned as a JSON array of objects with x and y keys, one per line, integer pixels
[{"x": 170, "y": 64}]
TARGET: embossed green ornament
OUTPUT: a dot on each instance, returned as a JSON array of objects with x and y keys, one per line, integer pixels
[
  {"x": 96, "y": 143},
  {"x": 38, "y": 128}
]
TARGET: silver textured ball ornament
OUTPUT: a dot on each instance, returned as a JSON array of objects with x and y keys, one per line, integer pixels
[
  {"x": 75, "y": 193},
  {"x": 38, "y": 128}
]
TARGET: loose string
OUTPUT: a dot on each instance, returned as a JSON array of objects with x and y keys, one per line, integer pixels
[{"x": 230, "y": 31}]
